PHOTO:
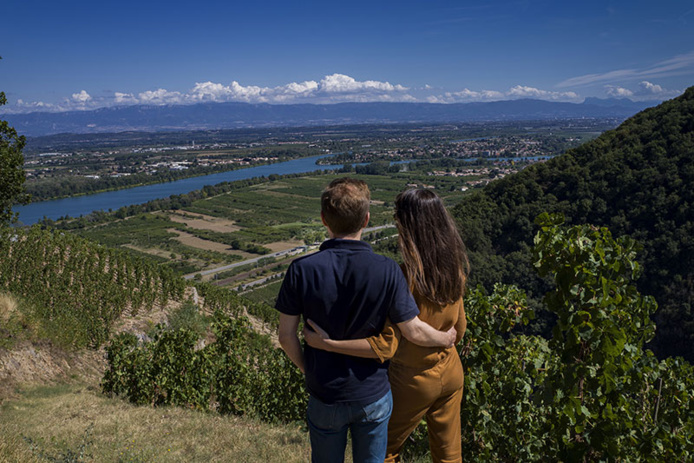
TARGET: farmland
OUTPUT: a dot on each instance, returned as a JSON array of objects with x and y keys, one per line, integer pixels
[{"x": 270, "y": 217}]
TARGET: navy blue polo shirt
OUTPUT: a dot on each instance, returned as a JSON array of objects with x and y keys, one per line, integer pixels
[{"x": 349, "y": 291}]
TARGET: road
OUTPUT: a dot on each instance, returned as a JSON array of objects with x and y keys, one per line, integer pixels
[{"x": 287, "y": 252}]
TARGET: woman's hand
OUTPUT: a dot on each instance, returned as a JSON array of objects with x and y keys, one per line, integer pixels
[{"x": 315, "y": 338}]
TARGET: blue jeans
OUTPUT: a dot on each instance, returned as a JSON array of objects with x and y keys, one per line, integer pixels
[{"x": 328, "y": 425}]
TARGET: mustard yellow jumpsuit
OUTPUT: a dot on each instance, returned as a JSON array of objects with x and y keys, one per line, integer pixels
[{"x": 426, "y": 381}]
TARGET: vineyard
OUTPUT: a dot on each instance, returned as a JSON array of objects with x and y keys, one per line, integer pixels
[{"x": 77, "y": 288}]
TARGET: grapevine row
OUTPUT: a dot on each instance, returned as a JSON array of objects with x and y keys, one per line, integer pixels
[{"x": 79, "y": 286}]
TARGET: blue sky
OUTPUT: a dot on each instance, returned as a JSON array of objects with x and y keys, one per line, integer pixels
[{"x": 82, "y": 55}]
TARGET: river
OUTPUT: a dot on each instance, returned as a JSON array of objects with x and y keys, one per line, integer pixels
[{"x": 82, "y": 205}]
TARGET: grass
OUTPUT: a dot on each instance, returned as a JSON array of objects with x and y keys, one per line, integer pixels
[
  {"x": 55, "y": 420},
  {"x": 57, "y": 423}
]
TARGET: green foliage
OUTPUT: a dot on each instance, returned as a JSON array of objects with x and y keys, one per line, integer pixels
[
  {"x": 266, "y": 294},
  {"x": 188, "y": 317},
  {"x": 11, "y": 169},
  {"x": 148, "y": 231},
  {"x": 239, "y": 373},
  {"x": 589, "y": 394},
  {"x": 230, "y": 239},
  {"x": 231, "y": 303},
  {"x": 500, "y": 420}
]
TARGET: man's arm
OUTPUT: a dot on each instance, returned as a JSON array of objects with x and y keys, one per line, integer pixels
[
  {"x": 289, "y": 340},
  {"x": 418, "y": 332}
]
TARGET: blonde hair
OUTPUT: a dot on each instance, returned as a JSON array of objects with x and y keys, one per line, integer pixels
[{"x": 345, "y": 205}]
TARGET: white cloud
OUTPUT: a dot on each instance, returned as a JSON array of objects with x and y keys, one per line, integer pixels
[
  {"x": 334, "y": 88},
  {"x": 125, "y": 98},
  {"x": 678, "y": 65},
  {"x": 514, "y": 93},
  {"x": 210, "y": 91},
  {"x": 160, "y": 96},
  {"x": 81, "y": 97},
  {"x": 340, "y": 83},
  {"x": 466, "y": 95},
  {"x": 306, "y": 87},
  {"x": 29, "y": 106},
  {"x": 618, "y": 92},
  {"x": 645, "y": 91},
  {"x": 520, "y": 91},
  {"x": 649, "y": 88},
  {"x": 249, "y": 94}
]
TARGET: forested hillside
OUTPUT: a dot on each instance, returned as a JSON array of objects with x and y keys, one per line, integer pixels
[{"x": 637, "y": 180}]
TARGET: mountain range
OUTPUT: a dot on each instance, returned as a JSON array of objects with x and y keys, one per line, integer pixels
[{"x": 211, "y": 116}]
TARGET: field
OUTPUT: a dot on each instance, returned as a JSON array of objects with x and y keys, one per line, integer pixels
[
  {"x": 268, "y": 217},
  {"x": 204, "y": 222}
]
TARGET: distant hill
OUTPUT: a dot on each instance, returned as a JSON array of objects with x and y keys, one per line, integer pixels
[
  {"x": 210, "y": 116},
  {"x": 637, "y": 180}
]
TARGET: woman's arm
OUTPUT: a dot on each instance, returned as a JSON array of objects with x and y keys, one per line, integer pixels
[
  {"x": 423, "y": 334},
  {"x": 384, "y": 345},
  {"x": 319, "y": 339}
]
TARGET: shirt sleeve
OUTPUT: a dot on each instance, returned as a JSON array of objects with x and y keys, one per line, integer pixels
[
  {"x": 287, "y": 300},
  {"x": 386, "y": 342}
]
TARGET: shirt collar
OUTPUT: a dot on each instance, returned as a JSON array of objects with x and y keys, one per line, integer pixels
[{"x": 337, "y": 243}]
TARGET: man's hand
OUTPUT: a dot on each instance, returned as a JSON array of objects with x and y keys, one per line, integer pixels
[{"x": 452, "y": 334}]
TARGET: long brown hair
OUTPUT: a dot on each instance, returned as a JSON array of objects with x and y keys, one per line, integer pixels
[{"x": 434, "y": 256}]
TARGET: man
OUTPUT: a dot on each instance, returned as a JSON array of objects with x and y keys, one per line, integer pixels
[{"x": 348, "y": 290}]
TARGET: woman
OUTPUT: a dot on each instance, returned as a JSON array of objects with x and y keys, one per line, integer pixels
[{"x": 425, "y": 381}]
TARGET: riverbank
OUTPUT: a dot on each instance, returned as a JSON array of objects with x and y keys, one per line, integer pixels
[{"x": 113, "y": 200}]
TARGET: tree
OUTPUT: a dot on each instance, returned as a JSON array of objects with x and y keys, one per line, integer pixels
[{"x": 11, "y": 169}]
